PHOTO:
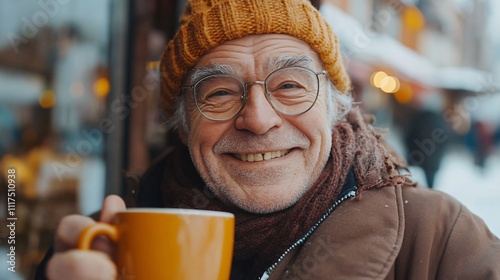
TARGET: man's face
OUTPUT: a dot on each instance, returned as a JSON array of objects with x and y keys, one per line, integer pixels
[{"x": 289, "y": 152}]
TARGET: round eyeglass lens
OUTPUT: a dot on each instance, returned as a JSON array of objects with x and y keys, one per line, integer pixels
[
  {"x": 293, "y": 90},
  {"x": 219, "y": 97}
]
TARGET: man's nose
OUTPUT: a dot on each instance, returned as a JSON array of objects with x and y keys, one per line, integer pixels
[{"x": 258, "y": 115}]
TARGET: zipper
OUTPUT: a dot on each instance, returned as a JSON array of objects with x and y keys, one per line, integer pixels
[{"x": 301, "y": 240}]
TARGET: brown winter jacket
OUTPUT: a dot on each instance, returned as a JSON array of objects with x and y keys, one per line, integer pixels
[{"x": 397, "y": 233}]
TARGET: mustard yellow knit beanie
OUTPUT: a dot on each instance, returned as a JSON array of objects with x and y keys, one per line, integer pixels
[{"x": 208, "y": 23}]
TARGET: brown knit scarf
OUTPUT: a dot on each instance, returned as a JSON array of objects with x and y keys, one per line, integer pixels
[{"x": 261, "y": 239}]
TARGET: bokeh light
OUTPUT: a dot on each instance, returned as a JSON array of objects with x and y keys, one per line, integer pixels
[
  {"x": 413, "y": 18},
  {"x": 47, "y": 99},
  {"x": 101, "y": 87},
  {"x": 377, "y": 77},
  {"x": 405, "y": 94},
  {"x": 389, "y": 84}
]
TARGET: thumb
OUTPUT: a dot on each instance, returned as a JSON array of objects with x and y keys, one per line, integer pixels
[{"x": 111, "y": 205}]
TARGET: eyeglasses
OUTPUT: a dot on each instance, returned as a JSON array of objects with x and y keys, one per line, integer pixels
[{"x": 291, "y": 91}]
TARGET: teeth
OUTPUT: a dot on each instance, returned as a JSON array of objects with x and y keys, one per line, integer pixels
[
  {"x": 267, "y": 156},
  {"x": 250, "y": 157},
  {"x": 261, "y": 157}
]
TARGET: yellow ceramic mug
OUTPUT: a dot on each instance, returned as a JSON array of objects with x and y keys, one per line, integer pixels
[{"x": 180, "y": 244}]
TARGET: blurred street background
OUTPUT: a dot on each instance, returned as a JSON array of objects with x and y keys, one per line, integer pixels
[{"x": 79, "y": 100}]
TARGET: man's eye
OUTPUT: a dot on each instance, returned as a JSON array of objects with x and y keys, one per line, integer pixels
[
  {"x": 288, "y": 86},
  {"x": 219, "y": 93}
]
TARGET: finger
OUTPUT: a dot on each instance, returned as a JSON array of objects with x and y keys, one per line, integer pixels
[
  {"x": 69, "y": 230},
  {"x": 68, "y": 233},
  {"x": 76, "y": 265},
  {"x": 111, "y": 205}
]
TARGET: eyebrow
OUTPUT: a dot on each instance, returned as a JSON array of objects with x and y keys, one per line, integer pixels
[
  {"x": 201, "y": 72},
  {"x": 289, "y": 61}
]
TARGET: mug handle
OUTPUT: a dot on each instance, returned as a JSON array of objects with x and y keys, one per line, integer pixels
[{"x": 90, "y": 232}]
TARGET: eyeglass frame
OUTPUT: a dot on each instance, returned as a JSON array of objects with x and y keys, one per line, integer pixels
[{"x": 244, "y": 95}]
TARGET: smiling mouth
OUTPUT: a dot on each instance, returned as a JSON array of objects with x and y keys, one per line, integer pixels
[{"x": 261, "y": 156}]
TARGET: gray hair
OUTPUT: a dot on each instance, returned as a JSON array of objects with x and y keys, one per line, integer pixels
[{"x": 338, "y": 104}]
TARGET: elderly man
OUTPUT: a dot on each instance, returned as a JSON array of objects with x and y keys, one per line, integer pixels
[{"x": 259, "y": 97}]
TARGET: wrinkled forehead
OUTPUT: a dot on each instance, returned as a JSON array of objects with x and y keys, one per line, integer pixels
[{"x": 256, "y": 55}]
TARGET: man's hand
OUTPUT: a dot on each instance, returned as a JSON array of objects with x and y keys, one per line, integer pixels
[{"x": 71, "y": 263}]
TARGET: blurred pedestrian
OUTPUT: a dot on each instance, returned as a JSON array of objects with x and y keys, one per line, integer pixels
[{"x": 423, "y": 148}]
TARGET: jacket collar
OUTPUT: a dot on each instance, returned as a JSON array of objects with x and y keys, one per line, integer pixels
[{"x": 359, "y": 240}]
